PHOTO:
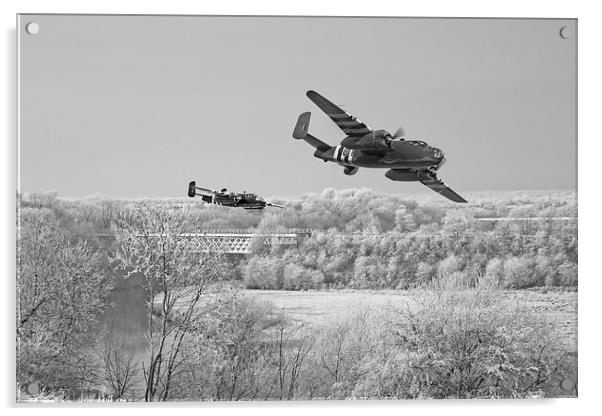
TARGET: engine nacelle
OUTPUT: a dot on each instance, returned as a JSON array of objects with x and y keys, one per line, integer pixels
[
  {"x": 350, "y": 170},
  {"x": 375, "y": 141},
  {"x": 402, "y": 175}
]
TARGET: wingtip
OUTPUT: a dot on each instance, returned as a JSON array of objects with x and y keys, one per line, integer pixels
[
  {"x": 461, "y": 199},
  {"x": 458, "y": 199},
  {"x": 454, "y": 197}
]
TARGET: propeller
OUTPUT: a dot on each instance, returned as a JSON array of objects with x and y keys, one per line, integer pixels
[{"x": 399, "y": 133}]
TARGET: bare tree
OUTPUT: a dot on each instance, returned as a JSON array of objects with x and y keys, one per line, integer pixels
[
  {"x": 120, "y": 368},
  {"x": 108, "y": 213},
  {"x": 176, "y": 275},
  {"x": 293, "y": 345},
  {"x": 243, "y": 362}
]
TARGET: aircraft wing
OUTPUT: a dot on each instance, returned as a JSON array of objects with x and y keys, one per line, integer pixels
[
  {"x": 350, "y": 125},
  {"x": 440, "y": 187}
]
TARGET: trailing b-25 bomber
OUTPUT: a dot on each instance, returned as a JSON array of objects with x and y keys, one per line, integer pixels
[{"x": 229, "y": 199}]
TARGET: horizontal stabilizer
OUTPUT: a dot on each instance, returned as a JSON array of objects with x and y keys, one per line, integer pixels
[{"x": 192, "y": 190}]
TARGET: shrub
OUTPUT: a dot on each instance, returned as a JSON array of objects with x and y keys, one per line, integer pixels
[
  {"x": 262, "y": 273},
  {"x": 462, "y": 344},
  {"x": 296, "y": 277},
  {"x": 494, "y": 273},
  {"x": 568, "y": 273},
  {"x": 519, "y": 273},
  {"x": 449, "y": 265}
]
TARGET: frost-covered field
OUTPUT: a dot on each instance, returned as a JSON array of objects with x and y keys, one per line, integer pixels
[{"x": 322, "y": 307}]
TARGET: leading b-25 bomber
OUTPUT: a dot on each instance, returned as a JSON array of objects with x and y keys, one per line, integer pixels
[{"x": 406, "y": 160}]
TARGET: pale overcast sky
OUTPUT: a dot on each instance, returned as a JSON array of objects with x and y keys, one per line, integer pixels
[{"x": 134, "y": 106}]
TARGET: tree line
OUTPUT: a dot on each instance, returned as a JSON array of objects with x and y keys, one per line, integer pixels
[{"x": 363, "y": 239}]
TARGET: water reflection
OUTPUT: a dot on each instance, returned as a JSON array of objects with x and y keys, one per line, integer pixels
[{"x": 126, "y": 321}]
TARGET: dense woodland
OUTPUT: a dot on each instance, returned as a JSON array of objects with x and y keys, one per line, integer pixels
[
  {"x": 362, "y": 239},
  {"x": 206, "y": 343}
]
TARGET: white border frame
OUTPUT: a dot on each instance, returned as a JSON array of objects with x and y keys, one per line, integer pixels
[{"x": 588, "y": 152}]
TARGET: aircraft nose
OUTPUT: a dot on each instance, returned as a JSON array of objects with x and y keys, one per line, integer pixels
[{"x": 441, "y": 162}]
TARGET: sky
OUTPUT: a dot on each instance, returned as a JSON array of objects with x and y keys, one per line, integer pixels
[{"x": 137, "y": 106}]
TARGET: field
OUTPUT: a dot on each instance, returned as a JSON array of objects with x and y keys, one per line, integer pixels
[{"x": 320, "y": 308}]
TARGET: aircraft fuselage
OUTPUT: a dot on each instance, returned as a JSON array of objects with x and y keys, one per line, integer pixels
[
  {"x": 246, "y": 201},
  {"x": 243, "y": 199},
  {"x": 404, "y": 154}
]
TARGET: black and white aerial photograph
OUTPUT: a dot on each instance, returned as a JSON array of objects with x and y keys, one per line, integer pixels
[{"x": 295, "y": 208}]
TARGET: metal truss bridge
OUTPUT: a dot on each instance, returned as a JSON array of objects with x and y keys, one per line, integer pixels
[
  {"x": 242, "y": 241},
  {"x": 236, "y": 241}
]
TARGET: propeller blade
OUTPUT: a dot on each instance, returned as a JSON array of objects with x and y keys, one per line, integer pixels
[{"x": 399, "y": 133}]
